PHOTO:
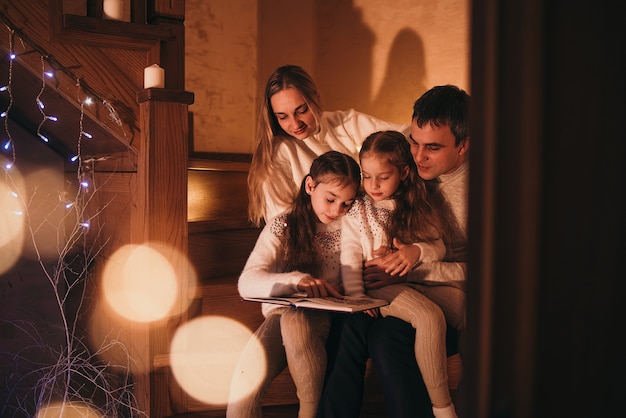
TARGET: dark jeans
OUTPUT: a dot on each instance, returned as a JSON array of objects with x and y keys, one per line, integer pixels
[
  {"x": 347, "y": 356},
  {"x": 389, "y": 342}
]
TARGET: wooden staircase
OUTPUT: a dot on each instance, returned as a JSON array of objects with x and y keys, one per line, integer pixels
[{"x": 220, "y": 241}]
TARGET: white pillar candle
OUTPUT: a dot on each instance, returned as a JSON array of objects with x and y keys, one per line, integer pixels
[
  {"x": 113, "y": 9},
  {"x": 153, "y": 76}
]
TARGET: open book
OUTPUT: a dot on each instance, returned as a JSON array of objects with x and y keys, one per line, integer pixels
[{"x": 330, "y": 303}]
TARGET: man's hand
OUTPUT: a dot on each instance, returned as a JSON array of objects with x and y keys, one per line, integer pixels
[
  {"x": 374, "y": 313},
  {"x": 375, "y": 277},
  {"x": 318, "y": 288}
]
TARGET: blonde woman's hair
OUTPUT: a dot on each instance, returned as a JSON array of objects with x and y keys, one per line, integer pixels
[{"x": 265, "y": 175}]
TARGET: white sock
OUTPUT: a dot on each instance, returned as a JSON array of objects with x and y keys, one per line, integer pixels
[{"x": 447, "y": 412}]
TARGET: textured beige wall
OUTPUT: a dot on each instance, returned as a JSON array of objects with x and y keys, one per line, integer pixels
[
  {"x": 220, "y": 69},
  {"x": 376, "y": 56}
]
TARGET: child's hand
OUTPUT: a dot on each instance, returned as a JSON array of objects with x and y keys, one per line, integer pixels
[
  {"x": 400, "y": 261},
  {"x": 318, "y": 288}
]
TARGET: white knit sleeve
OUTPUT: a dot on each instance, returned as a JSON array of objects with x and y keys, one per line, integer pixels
[
  {"x": 368, "y": 124},
  {"x": 352, "y": 252},
  {"x": 440, "y": 273},
  {"x": 273, "y": 205},
  {"x": 260, "y": 276},
  {"x": 280, "y": 187},
  {"x": 431, "y": 251}
]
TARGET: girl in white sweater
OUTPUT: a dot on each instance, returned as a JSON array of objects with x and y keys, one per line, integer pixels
[
  {"x": 398, "y": 204},
  {"x": 297, "y": 251}
]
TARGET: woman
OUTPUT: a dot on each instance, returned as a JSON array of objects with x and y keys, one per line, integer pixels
[{"x": 293, "y": 130}]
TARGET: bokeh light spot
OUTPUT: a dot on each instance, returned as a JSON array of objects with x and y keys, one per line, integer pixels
[
  {"x": 203, "y": 356},
  {"x": 140, "y": 284},
  {"x": 67, "y": 410},
  {"x": 12, "y": 226}
]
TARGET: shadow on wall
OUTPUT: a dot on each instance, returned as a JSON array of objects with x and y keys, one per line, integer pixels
[
  {"x": 332, "y": 41},
  {"x": 343, "y": 57},
  {"x": 404, "y": 77},
  {"x": 343, "y": 64}
]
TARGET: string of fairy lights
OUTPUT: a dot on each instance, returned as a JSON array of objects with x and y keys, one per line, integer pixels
[
  {"x": 8, "y": 145},
  {"x": 84, "y": 96}
]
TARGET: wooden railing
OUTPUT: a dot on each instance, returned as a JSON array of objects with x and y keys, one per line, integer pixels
[{"x": 139, "y": 156}]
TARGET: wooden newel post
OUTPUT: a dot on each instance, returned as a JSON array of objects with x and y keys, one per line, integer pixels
[{"x": 162, "y": 183}]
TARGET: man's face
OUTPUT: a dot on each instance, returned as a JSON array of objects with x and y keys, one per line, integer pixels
[{"x": 434, "y": 150}]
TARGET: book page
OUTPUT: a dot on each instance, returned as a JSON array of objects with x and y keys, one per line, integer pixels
[{"x": 330, "y": 303}]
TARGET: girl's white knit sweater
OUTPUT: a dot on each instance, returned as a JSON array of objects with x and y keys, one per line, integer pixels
[
  {"x": 363, "y": 232},
  {"x": 262, "y": 276}
]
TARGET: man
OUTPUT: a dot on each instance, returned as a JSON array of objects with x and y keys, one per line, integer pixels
[{"x": 439, "y": 142}]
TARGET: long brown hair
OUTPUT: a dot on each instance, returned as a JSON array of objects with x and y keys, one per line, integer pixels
[
  {"x": 264, "y": 175},
  {"x": 416, "y": 217},
  {"x": 298, "y": 247}
]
